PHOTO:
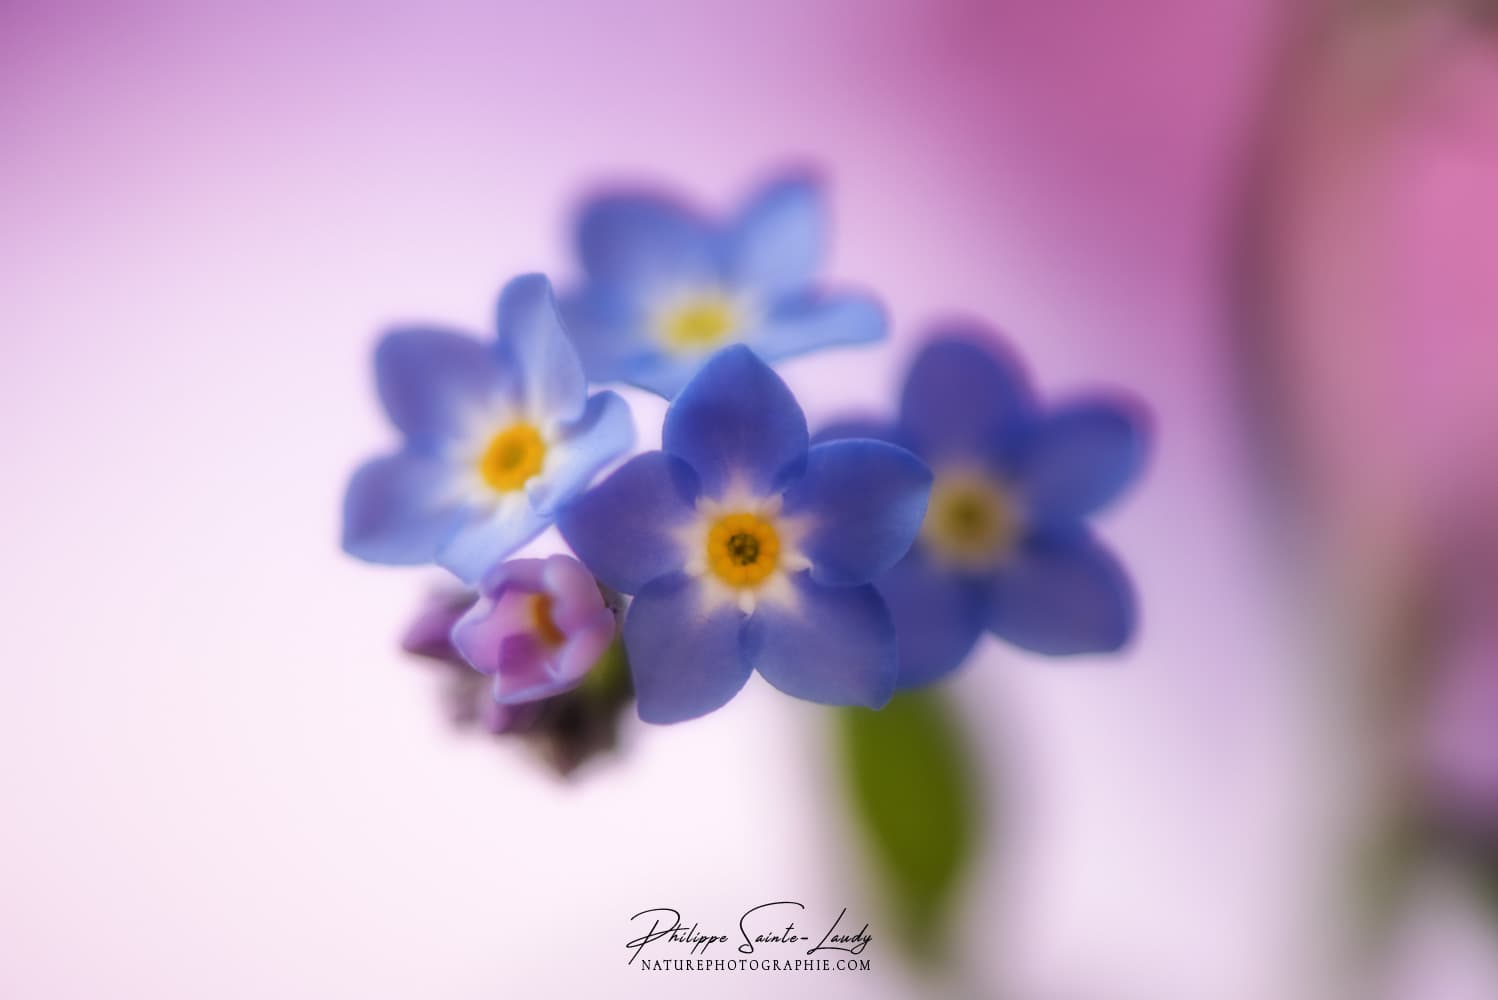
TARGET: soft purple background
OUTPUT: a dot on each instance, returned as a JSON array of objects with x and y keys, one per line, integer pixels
[{"x": 219, "y": 775}]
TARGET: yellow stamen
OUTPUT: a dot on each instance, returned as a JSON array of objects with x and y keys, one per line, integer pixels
[
  {"x": 970, "y": 520},
  {"x": 742, "y": 549},
  {"x": 544, "y": 624},
  {"x": 513, "y": 456},
  {"x": 699, "y": 323}
]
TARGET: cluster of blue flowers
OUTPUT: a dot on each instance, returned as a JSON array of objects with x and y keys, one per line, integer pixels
[{"x": 841, "y": 566}]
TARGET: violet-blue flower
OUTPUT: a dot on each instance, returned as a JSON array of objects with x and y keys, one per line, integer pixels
[
  {"x": 1004, "y": 546},
  {"x": 538, "y": 628},
  {"x": 748, "y": 550},
  {"x": 497, "y": 437},
  {"x": 667, "y": 286}
]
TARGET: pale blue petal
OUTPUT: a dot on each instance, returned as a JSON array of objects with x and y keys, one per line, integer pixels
[
  {"x": 809, "y": 323},
  {"x": 1062, "y": 593},
  {"x": 865, "y": 501},
  {"x": 736, "y": 421},
  {"x": 625, "y": 528},
  {"x": 664, "y": 373},
  {"x": 606, "y": 329},
  {"x": 487, "y": 537},
  {"x": 603, "y": 433},
  {"x": 643, "y": 245},
  {"x": 778, "y": 241},
  {"x": 684, "y": 656},
  {"x": 533, "y": 343},
  {"x": 432, "y": 382},
  {"x": 398, "y": 511},
  {"x": 832, "y": 645}
]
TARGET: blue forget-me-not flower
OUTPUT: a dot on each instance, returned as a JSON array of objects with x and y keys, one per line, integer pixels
[
  {"x": 1004, "y": 546},
  {"x": 497, "y": 437},
  {"x": 666, "y": 286},
  {"x": 746, "y": 549}
]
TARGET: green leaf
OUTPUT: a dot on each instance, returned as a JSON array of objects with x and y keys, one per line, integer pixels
[
  {"x": 911, "y": 775},
  {"x": 609, "y": 678},
  {"x": 1486, "y": 881},
  {"x": 1386, "y": 869}
]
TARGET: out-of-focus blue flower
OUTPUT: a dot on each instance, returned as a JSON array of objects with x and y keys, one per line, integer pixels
[
  {"x": 497, "y": 438},
  {"x": 666, "y": 286},
  {"x": 746, "y": 550},
  {"x": 538, "y": 628},
  {"x": 1004, "y": 545}
]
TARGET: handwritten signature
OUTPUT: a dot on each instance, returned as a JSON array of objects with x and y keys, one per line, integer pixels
[{"x": 759, "y": 926}]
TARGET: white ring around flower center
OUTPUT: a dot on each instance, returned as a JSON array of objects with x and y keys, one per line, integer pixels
[
  {"x": 702, "y": 319},
  {"x": 738, "y": 503},
  {"x": 480, "y": 428}
]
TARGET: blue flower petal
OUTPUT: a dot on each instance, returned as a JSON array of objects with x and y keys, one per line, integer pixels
[
  {"x": 1080, "y": 457},
  {"x": 533, "y": 343},
  {"x": 605, "y": 327},
  {"x": 664, "y": 374},
  {"x": 778, "y": 241},
  {"x": 938, "y": 617},
  {"x": 865, "y": 500},
  {"x": 808, "y": 323},
  {"x": 737, "y": 422},
  {"x": 603, "y": 433},
  {"x": 487, "y": 537},
  {"x": 683, "y": 655},
  {"x": 834, "y": 645},
  {"x": 398, "y": 510},
  {"x": 645, "y": 245},
  {"x": 965, "y": 395},
  {"x": 432, "y": 382},
  {"x": 623, "y": 529},
  {"x": 1062, "y": 593}
]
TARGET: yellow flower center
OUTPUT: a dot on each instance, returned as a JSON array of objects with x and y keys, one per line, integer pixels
[
  {"x": 970, "y": 521},
  {"x": 513, "y": 456},
  {"x": 544, "y": 624},
  {"x": 699, "y": 323},
  {"x": 742, "y": 549}
]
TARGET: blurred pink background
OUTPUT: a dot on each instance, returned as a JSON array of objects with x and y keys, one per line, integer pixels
[{"x": 221, "y": 777}]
